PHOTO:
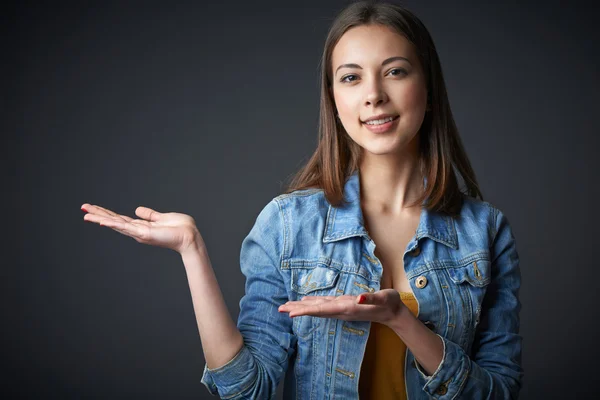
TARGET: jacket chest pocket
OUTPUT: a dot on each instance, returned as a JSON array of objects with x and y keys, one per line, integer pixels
[
  {"x": 312, "y": 281},
  {"x": 470, "y": 281}
]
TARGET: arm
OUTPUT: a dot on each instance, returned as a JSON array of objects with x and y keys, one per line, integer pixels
[
  {"x": 221, "y": 340},
  {"x": 426, "y": 346},
  {"x": 495, "y": 371},
  {"x": 238, "y": 369},
  {"x": 256, "y": 366}
]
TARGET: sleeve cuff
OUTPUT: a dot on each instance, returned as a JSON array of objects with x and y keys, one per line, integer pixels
[
  {"x": 232, "y": 378},
  {"x": 450, "y": 376},
  {"x": 208, "y": 381}
]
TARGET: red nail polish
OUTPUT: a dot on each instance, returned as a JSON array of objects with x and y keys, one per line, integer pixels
[
  {"x": 84, "y": 210},
  {"x": 361, "y": 299}
]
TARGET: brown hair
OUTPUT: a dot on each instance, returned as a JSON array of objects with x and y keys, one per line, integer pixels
[{"x": 441, "y": 151}]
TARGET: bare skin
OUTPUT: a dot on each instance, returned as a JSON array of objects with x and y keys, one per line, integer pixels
[
  {"x": 391, "y": 235},
  {"x": 221, "y": 340},
  {"x": 170, "y": 230}
]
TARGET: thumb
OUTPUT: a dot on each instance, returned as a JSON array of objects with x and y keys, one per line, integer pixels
[{"x": 147, "y": 213}]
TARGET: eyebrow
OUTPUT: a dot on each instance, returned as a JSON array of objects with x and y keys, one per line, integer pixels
[{"x": 386, "y": 61}]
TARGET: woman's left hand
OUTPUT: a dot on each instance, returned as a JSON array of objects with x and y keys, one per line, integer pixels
[{"x": 382, "y": 306}]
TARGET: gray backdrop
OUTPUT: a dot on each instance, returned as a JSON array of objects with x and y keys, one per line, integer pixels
[{"x": 207, "y": 110}]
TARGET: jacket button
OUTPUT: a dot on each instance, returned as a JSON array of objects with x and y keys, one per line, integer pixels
[
  {"x": 421, "y": 282},
  {"x": 415, "y": 252},
  {"x": 442, "y": 390}
]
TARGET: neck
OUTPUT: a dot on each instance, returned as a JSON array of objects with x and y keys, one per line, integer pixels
[{"x": 389, "y": 184}]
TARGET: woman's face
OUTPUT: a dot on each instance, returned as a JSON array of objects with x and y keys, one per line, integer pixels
[{"x": 376, "y": 71}]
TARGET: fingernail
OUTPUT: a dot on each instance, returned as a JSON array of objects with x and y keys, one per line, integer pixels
[
  {"x": 361, "y": 299},
  {"x": 84, "y": 210}
]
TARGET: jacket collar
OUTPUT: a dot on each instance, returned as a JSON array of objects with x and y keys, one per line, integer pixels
[{"x": 347, "y": 220}]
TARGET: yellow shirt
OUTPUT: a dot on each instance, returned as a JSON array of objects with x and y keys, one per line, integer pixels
[{"x": 382, "y": 369}]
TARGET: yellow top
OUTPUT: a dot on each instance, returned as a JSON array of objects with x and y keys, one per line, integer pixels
[{"x": 382, "y": 369}]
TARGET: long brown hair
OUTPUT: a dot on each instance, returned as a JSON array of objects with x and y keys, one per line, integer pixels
[{"x": 440, "y": 148}]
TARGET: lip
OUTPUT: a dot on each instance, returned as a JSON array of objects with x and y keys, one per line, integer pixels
[
  {"x": 388, "y": 126},
  {"x": 380, "y": 116}
]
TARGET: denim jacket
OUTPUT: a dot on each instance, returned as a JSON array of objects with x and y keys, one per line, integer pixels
[{"x": 464, "y": 273}]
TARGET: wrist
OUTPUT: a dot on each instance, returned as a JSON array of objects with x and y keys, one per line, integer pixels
[
  {"x": 194, "y": 248},
  {"x": 401, "y": 320},
  {"x": 193, "y": 245}
]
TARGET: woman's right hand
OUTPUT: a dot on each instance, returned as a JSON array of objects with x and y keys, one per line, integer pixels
[{"x": 170, "y": 230}]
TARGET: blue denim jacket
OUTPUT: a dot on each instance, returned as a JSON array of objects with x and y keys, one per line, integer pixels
[{"x": 464, "y": 273}]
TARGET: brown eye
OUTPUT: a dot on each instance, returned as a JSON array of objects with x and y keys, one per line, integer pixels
[
  {"x": 344, "y": 79},
  {"x": 399, "y": 71}
]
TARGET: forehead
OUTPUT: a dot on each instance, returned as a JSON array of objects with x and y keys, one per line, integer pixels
[{"x": 371, "y": 44}]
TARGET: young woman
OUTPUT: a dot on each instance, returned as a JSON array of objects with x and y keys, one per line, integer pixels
[{"x": 374, "y": 274}]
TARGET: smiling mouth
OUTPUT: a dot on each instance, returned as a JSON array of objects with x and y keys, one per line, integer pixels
[{"x": 381, "y": 121}]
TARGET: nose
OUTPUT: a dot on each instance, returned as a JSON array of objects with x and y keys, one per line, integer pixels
[{"x": 375, "y": 94}]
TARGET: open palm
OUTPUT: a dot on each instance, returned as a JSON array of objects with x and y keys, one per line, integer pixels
[{"x": 170, "y": 230}]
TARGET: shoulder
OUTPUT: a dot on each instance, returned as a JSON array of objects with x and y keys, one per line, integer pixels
[
  {"x": 278, "y": 223},
  {"x": 473, "y": 207},
  {"x": 481, "y": 215},
  {"x": 301, "y": 200},
  {"x": 281, "y": 211},
  {"x": 300, "y": 194}
]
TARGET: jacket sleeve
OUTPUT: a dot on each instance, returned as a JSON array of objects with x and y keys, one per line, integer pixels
[
  {"x": 494, "y": 371},
  {"x": 255, "y": 371}
]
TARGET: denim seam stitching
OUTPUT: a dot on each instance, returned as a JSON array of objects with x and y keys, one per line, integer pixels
[
  {"x": 301, "y": 193},
  {"x": 241, "y": 390},
  {"x": 238, "y": 354},
  {"x": 448, "y": 264},
  {"x": 461, "y": 384},
  {"x": 284, "y": 251}
]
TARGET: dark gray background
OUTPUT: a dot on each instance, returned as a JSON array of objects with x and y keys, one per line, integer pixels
[{"x": 207, "y": 110}]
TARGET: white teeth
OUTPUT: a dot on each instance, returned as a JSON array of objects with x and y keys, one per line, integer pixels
[{"x": 379, "y": 121}]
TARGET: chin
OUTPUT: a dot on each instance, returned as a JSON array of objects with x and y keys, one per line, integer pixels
[
  {"x": 381, "y": 149},
  {"x": 384, "y": 145}
]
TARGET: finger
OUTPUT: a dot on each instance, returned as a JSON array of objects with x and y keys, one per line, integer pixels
[
  {"x": 123, "y": 227},
  {"x": 336, "y": 298},
  {"x": 377, "y": 298},
  {"x": 114, "y": 214},
  {"x": 106, "y": 220},
  {"x": 345, "y": 297},
  {"x": 325, "y": 309},
  {"x": 314, "y": 313},
  {"x": 95, "y": 209},
  {"x": 147, "y": 214},
  {"x": 115, "y": 227},
  {"x": 312, "y": 300},
  {"x": 345, "y": 301},
  {"x": 107, "y": 211},
  {"x": 98, "y": 210},
  {"x": 366, "y": 298},
  {"x": 295, "y": 305},
  {"x": 317, "y": 300},
  {"x": 308, "y": 298},
  {"x": 89, "y": 217}
]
